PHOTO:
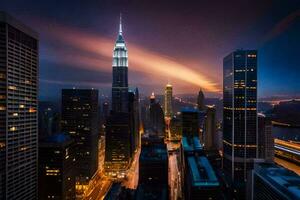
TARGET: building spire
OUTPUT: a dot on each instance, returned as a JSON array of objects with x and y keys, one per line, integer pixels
[{"x": 120, "y": 25}]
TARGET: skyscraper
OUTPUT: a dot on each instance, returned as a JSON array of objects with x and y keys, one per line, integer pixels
[
  {"x": 210, "y": 129},
  {"x": 168, "y": 101},
  {"x": 121, "y": 129},
  {"x": 190, "y": 122},
  {"x": 239, "y": 115},
  {"x": 80, "y": 121},
  {"x": 265, "y": 138},
  {"x": 19, "y": 52},
  {"x": 153, "y": 169},
  {"x": 118, "y": 150},
  {"x": 157, "y": 121},
  {"x": 57, "y": 167},
  {"x": 120, "y": 74},
  {"x": 200, "y": 101},
  {"x": 271, "y": 182}
]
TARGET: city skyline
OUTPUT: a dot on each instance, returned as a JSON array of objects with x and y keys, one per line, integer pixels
[
  {"x": 180, "y": 44},
  {"x": 78, "y": 121}
]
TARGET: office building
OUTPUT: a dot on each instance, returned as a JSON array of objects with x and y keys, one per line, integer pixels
[
  {"x": 200, "y": 101},
  {"x": 120, "y": 74},
  {"x": 168, "y": 101},
  {"x": 239, "y": 116},
  {"x": 190, "y": 122},
  {"x": 121, "y": 131},
  {"x": 19, "y": 61},
  {"x": 80, "y": 121},
  {"x": 210, "y": 142},
  {"x": 118, "y": 150},
  {"x": 265, "y": 138},
  {"x": 57, "y": 167},
  {"x": 271, "y": 182},
  {"x": 135, "y": 120},
  {"x": 200, "y": 179},
  {"x": 157, "y": 120},
  {"x": 153, "y": 169}
]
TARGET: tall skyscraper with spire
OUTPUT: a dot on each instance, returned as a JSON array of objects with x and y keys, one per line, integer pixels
[
  {"x": 122, "y": 127},
  {"x": 120, "y": 74}
]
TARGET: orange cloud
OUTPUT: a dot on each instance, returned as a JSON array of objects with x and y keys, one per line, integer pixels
[{"x": 140, "y": 59}]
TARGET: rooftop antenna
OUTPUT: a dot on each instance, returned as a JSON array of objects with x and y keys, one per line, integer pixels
[{"x": 120, "y": 25}]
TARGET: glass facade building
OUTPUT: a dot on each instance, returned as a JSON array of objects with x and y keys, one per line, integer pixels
[
  {"x": 19, "y": 52},
  {"x": 80, "y": 121},
  {"x": 239, "y": 114}
]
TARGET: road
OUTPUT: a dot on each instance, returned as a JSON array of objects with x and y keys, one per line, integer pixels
[
  {"x": 132, "y": 177},
  {"x": 174, "y": 171},
  {"x": 99, "y": 189}
]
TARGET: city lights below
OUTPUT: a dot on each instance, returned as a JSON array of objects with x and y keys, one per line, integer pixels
[
  {"x": 132, "y": 176},
  {"x": 289, "y": 165}
]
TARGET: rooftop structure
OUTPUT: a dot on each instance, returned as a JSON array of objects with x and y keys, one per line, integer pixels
[
  {"x": 201, "y": 172},
  {"x": 191, "y": 144},
  {"x": 272, "y": 180}
]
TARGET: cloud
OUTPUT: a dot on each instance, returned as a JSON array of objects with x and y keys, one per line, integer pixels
[
  {"x": 281, "y": 26},
  {"x": 94, "y": 52}
]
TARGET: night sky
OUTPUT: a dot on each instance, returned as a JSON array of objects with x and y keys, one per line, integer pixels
[{"x": 181, "y": 42}]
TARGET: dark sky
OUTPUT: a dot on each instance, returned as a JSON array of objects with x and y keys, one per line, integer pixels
[{"x": 182, "y": 42}]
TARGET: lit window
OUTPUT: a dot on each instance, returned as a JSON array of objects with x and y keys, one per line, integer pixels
[
  {"x": 13, "y": 128},
  {"x": 11, "y": 87}
]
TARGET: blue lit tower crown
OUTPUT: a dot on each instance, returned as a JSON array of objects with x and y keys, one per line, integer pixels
[{"x": 120, "y": 74}]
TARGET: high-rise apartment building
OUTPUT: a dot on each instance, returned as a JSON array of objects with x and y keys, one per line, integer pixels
[
  {"x": 239, "y": 116},
  {"x": 19, "y": 60},
  {"x": 168, "y": 101},
  {"x": 80, "y": 121}
]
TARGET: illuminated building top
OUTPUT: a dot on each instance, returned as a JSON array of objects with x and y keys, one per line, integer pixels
[{"x": 120, "y": 55}]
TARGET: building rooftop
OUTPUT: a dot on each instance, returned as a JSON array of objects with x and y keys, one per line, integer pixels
[
  {"x": 189, "y": 109},
  {"x": 283, "y": 180},
  {"x": 4, "y": 17},
  {"x": 153, "y": 149},
  {"x": 201, "y": 172},
  {"x": 191, "y": 144}
]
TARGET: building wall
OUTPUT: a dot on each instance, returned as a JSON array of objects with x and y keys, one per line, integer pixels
[
  {"x": 239, "y": 113},
  {"x": 80, "y": 121},
  {"x": 18, "y": 109}
]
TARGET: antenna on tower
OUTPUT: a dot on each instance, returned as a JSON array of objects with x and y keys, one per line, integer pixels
[{"x": 120, "y": 25}]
